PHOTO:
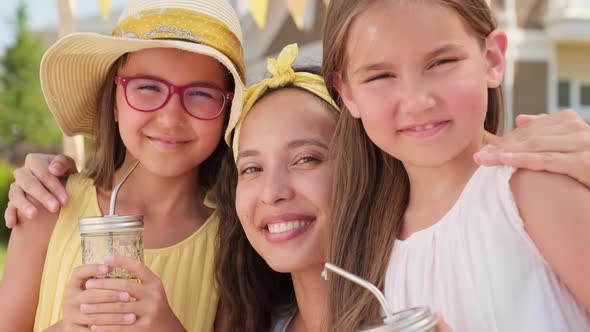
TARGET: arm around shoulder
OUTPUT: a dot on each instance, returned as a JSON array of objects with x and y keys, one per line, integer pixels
[
  {"x": 556, "y": 213},
  {"x": 25, "y": 259}
]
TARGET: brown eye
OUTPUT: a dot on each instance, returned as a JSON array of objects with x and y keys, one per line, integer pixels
[
  {"x": 250, "y": 170},
  {"x": 306, "y": 160}
]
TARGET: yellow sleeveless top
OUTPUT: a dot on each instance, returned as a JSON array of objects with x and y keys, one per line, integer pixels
[{"x": 186, "y": 268}]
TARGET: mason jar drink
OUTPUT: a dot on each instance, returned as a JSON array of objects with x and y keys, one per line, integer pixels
[
  {"x": 411, "y": 320},
  {"x": 418, "y": 319},
  {"x": 112, "y": 236}
]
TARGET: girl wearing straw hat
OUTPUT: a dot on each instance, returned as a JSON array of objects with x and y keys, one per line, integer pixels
[{"x": 158, "y": 91}]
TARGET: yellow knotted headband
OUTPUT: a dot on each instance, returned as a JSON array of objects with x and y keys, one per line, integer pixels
[
  {"x": 282, "y": 75},
  {"x": 187, "y": 25}
]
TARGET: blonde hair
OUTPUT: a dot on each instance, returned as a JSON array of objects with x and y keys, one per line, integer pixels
[{"x": 371, "y": 188}]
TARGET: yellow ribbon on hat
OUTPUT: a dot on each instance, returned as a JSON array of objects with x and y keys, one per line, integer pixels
[
  {"x": 283, "y": 74},
  {"x": 185, "y": 25}
]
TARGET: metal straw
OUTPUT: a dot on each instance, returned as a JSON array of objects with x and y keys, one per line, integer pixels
[
  {"x": 369, "y": 286},
  {"x": 118, "y": 186},
  {"x": 114, "y": 200}
]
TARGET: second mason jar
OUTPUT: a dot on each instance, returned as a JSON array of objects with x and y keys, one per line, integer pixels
[
  {"x": 112, "y": 236},
  {"x": 411, "y": 320}
]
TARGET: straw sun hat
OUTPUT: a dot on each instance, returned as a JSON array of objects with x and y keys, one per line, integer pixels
[{"x": 74, "y": 68}]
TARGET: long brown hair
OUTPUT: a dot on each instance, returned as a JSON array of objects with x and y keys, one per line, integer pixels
[
  {"x": 371, "y": 188},
  {"x": 250, "y": 290},
  {"x": 109, "y": 150}
]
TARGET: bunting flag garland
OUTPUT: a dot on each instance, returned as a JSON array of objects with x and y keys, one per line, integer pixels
[
  {"x": 259, "y": 9},
  {"x": 297, "y": 10},
  {"x": 105, "y": 8}
]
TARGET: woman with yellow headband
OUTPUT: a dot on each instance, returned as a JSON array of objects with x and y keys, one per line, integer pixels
[
  {"x": 158, "y": 91},
  {"x": 276, "y": 193}
]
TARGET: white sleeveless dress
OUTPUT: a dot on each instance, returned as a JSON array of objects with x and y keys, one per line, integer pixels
[{"x": 480, "y": 269}]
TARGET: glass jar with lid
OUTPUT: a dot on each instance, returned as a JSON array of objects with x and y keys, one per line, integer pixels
[
  {"x": 112, "y": 236},
  {"x": 418, "y": 319},
  {"x": 411, "y": 320}
]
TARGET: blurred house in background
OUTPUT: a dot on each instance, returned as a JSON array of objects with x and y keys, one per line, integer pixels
[{"x": 548, "y": 57}]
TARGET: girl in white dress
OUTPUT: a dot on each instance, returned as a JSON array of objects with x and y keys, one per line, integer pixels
[{"x": 493, "y": 249}]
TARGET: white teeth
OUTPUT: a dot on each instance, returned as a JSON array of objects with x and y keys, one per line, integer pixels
[
  {"x": 427, "y": 127},
  {"x": 286, "y": 226}
]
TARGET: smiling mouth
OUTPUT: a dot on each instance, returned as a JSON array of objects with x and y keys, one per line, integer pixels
[
  {"x": 427, "y": 127},
  {"x": 288, "y": 226},
  {"x": 168, "y": 141},
  {"x": 425, "y": 131}
]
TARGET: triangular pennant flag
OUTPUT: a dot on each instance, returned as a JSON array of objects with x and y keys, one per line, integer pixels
[
  {"x": 259, "y": 9},
  {"x": 297, "y": 9},
  {"x": 105, "y": 8},
  {"x": 66, "y": 23}
]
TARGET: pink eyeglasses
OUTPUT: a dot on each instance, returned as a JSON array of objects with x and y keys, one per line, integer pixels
[{"x": 148, "y": 94}]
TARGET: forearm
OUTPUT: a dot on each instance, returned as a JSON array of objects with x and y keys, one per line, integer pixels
[
  {"x": 25, "y": 258},
  {"x": 10, "y": 323},
  {"x": 15, "y": 315},
  {"x": 19, "y": 291}
]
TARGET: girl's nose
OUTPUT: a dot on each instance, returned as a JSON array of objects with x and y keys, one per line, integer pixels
[
  {"x": 173, "y": 113},
  {"x": 415, "y": 97}
]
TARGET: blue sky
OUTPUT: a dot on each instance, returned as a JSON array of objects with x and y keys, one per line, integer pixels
[{"x": 42, "y": 13}]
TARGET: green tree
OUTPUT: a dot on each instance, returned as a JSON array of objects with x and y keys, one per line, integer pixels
[
  {"x": 23, "y": 111},
  {"x": 6, "y": 179}
]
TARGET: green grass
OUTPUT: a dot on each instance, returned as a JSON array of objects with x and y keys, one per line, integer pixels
[{"x": 2, "y": 256}]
